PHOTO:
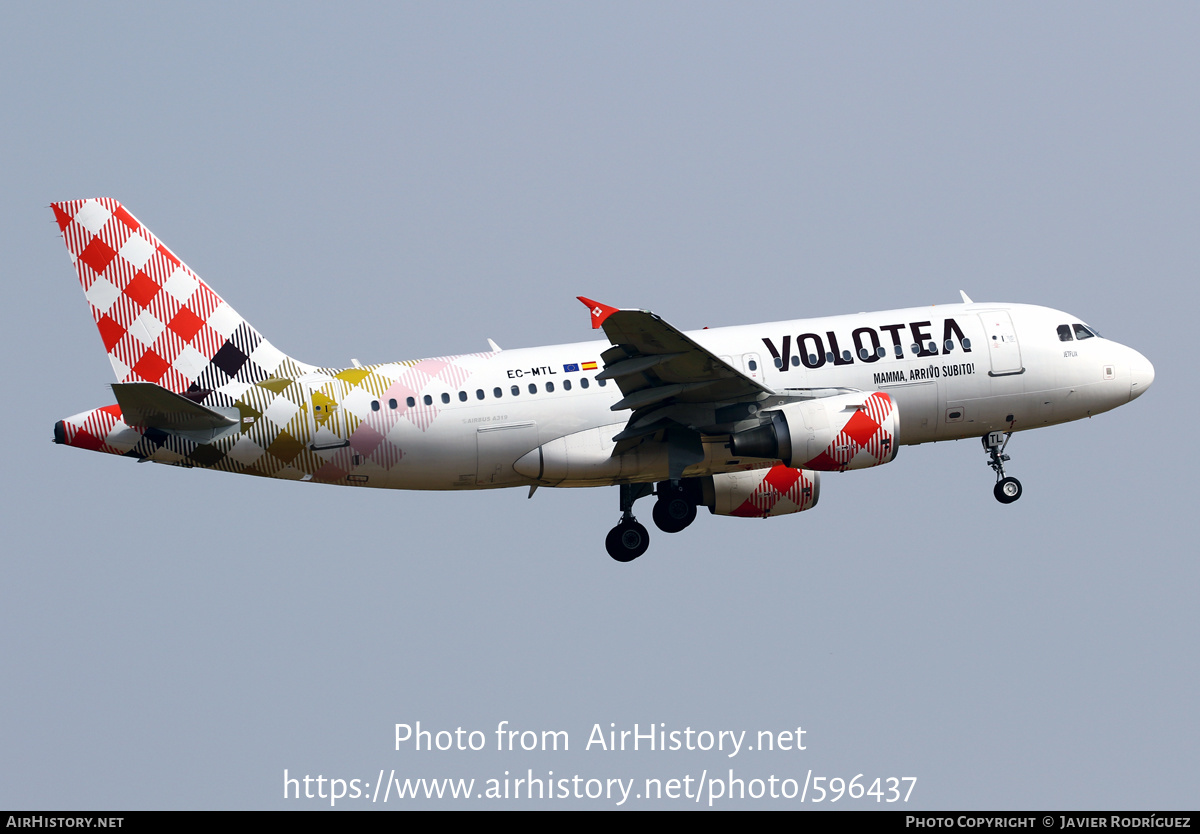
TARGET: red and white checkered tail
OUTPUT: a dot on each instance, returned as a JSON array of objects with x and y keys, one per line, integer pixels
[{"x": 159, "y": 321}]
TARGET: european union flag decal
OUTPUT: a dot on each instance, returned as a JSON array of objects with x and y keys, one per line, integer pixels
[{"x": 572, "y": 368}]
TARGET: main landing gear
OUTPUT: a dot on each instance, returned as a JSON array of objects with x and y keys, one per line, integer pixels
[
  {"x": 674, "y": 510},
  {"x": 1007, "y": 489},
  {"x": 628, "y": 540}
]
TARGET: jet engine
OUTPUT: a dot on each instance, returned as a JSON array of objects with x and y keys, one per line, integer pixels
[
  {"x": 830, "y": 434},
  {"x": 762, "y": 492}
]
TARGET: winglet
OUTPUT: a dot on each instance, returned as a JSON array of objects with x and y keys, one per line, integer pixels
[
  {"x": 966, "y": 298},
  {"x": 599, "y": 311}
]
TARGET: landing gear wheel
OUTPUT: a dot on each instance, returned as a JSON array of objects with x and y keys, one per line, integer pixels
[
  {"x": 673, "y": 513},
  {"x": 1007, "y": 490},
  {"x": 627, "y": 541}
]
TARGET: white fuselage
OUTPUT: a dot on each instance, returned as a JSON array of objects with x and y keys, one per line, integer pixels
[{"x": 1008, "y": 368}]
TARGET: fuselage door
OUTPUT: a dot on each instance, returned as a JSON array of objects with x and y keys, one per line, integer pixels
[
  {"x": 326, "y": 420},
  {"x": 1003, "y": 349},
  {"x": 751, "y": 366}
]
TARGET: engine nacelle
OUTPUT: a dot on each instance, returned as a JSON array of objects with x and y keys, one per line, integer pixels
[
  {"x": 831, "y": 434},
  {"x": 761, "y": 493}
]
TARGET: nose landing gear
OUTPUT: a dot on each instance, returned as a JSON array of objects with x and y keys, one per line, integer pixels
[{"x": 1007, "y": 489}]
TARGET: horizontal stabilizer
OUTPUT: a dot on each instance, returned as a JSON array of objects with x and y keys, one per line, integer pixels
[{"x": 152, "y": 406}]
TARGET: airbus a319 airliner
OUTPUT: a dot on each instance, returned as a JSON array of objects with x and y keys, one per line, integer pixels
[{"x": 741, "y": 420}]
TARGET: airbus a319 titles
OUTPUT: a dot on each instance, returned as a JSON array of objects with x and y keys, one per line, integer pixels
[{"x": 741, "y": 420}]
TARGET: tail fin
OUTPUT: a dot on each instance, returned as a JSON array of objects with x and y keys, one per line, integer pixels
[{"x": 159, "y": 321}]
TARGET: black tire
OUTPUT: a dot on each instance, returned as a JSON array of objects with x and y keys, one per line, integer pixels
[
  {"x": 627, "y": 541},
  {"x": 673, "y": 513},
  {"x": 1007, "y": 490}
]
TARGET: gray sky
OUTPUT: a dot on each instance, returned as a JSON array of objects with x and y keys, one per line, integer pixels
[{"x": 404, "y": 181}]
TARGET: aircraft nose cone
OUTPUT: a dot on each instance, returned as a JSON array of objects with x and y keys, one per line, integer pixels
[{"x": 1141, "y": 375}]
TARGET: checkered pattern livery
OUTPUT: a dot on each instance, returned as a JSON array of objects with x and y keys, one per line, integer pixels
[
  {"x": 161, "y": 323},
  {"x": 868, "y": 438},
  {"x": 782, "y": 490},
  {"x": 158, "y": 320},
  {"x": 276, "y": 429},
  {"x": 101, "y": 430}
]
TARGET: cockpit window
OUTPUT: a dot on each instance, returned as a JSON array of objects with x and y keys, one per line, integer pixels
[
  {"x": 1082, "y": 332},
  {"x": 1064, "y": 333}
]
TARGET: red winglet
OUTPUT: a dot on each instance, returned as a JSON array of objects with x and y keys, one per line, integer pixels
[{"x": 599, "y": 311}]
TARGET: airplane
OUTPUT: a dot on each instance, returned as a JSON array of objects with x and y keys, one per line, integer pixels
[{"x": 741, "y": 420}]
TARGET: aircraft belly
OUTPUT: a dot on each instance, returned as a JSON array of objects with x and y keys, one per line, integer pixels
[
  {"x": 498, "y": 447},
  {"x": 585, "y": 459},
  {"x": 918, "y": 406}
]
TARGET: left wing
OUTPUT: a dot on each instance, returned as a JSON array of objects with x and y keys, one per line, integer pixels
[
  {"x": 651, "y": 362},
  {"x": 673, "y": 385}
]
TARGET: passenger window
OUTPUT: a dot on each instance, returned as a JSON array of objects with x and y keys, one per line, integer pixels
[
  {"x": 374, "y": 405},
  {"x": 566, "y": 385},
  {"x": 479, "y": 393},
  {"x": 497, "y": 393},
  {"x": 1082, "y": 332},
  {"x": 428, "y": 399},
  {"x": 516, "y": 390},
  {"x": 778, "y": 362},
  {"x": 752, "y": 365},
  {"x": 1064, "y": 333},
  {"x": 411, "y": 402},
  {"x": 603, "y": 382},
  {"x": 445, "y": 399},
  {"x": 583, "y": 382},
  {"x": 795, "y": 361},
  {"x": 532, "y": 388},
  {"x": 549, "y": 387},
  {"x": 462, "y": 396}
]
